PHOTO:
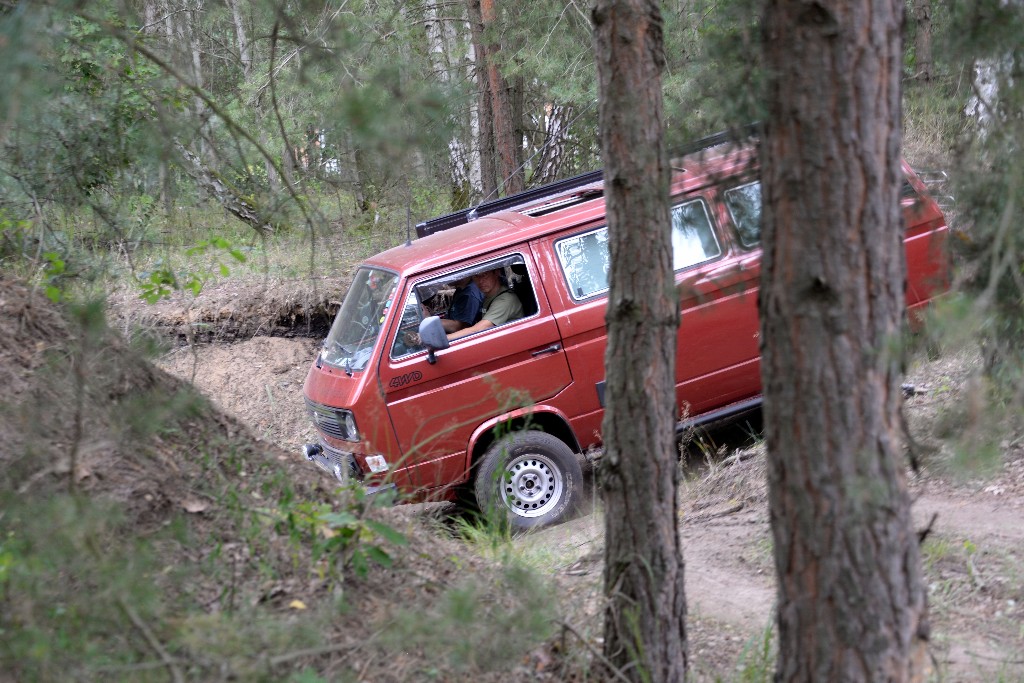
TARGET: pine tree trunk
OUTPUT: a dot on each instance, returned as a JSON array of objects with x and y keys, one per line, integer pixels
[
  {"x": 851, "y": 603},
  {"x": 644, "y": 630},
  {"x": 509, "y": 175}
]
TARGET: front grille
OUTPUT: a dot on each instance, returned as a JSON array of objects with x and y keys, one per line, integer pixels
[
  {"x": 339, "y": 464},
  {"x": 328, "y": 420}
]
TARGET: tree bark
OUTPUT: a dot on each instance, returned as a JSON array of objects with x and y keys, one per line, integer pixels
[
  {"x": 851, "y": 603},
  {"x": 644, "y": 625},
  {"x": 500, "y": 147},
  {"x": 232, "y": 202},
  {"x": 555, "y": 122},
  {"x": 510, "y": 175}
]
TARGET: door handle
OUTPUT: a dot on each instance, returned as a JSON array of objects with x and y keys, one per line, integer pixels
[{"x": 554, "y": 348}]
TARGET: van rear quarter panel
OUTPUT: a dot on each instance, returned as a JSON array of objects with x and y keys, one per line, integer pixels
[
  {"x": 925, "y": 242},
  {"x": 717, "y": 354}
]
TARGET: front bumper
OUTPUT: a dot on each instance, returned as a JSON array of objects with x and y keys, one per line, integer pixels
[{"x": 340, "y": 465}]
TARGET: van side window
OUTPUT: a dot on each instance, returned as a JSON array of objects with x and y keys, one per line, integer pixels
[
  {"x": 585, "y": 259},
  {"x": 744, "y": 204},
  {"x": 693, "y": 239},
  {"x": 406, "y": 341},
  {"x": 449, "y": 298}
]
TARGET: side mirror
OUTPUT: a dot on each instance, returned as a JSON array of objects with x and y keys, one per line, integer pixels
[{"x": 433, "y": 336}]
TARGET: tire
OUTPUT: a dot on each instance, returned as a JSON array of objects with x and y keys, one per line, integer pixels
[{"x": 528, "y": 479}]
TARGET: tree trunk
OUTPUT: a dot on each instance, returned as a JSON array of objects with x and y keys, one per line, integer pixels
[
  {"x": 644, "y": 629},
  {"x": 555, "y": 122},
  {"x": 442, "y": 45},
  {"x": 507, "y": 149},
  {"x": 485, "y": 139},
  {"x": 223, "y": 193},
  {"x": 510, "y": 176},
  {"x": 244, "y": 51},
  {"x": 923, "y": 40},
  {"x": 194, "y": 16},
  {"x": 851, "y": 603}
]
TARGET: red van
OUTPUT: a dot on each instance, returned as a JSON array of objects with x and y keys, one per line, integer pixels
[{"x": 502, "y": 415}]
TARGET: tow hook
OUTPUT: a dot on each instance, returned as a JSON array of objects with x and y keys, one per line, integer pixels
[
  {"x": 314, "y": 453},
  {"x": 311, "y": 450}
]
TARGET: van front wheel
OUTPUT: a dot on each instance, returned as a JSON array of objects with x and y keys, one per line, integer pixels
[{"x": 530, "y": 478}]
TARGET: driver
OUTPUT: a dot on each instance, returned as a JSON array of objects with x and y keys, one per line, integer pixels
[{"x": 465, "y": 308}]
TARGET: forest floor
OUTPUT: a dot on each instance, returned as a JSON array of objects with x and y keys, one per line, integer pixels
[{"x": 973, "y": 556}]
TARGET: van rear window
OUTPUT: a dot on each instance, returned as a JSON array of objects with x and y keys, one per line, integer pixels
[{"x": 586, "y": 263}]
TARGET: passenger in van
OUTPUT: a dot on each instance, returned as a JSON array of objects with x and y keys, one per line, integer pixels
[
  {"x": 465, "y": 307},
  {"x": 499, "y": 307}
]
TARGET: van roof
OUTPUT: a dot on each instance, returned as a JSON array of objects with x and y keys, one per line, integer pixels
[
  {"x": 506, "y": 222},
  {"x": 482, "y": 237},
  {"x": 573, "y": 190}
]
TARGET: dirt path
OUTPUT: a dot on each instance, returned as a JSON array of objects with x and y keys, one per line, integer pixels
[
  {"x": 972, "y": 560},
  {"x": 259, "y": 381},
  {"x": 1000, "y": 521}
]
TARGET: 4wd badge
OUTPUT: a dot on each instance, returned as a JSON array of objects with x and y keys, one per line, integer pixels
[{"x": 407, "y": 378}]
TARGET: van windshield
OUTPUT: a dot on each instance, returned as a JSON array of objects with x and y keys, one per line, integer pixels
[{"x": 359, "y": 322}]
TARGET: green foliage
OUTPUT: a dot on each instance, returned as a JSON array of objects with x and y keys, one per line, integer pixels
[
  {"x": 16, "y": 241},
  {"x": 989, "y": 198},
  {"x": 69, "y": 571},
  {"x": 477, "y": 627},
  {"x": 52, "y": 271},
  {"x": 85, "y": 597},
  {"x": 346, "y": 538},
  {"x": 757, "y": 660},
  {"x": 989, "y": 182},
  {"x": 160, "y": 281},
  {"x": 488, "y": 532},
  {"x": 714, "y": 80},
  {"x": 89, "y": 115}
]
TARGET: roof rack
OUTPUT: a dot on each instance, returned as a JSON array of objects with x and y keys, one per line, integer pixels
[
  {"x": 464, "y": 216},
  {"x": 563, "y": 187}
]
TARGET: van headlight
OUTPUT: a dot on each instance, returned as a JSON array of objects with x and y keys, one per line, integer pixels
[
  {"x": 336, "y": 422},
  {"x": 348, "y": 425}
]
